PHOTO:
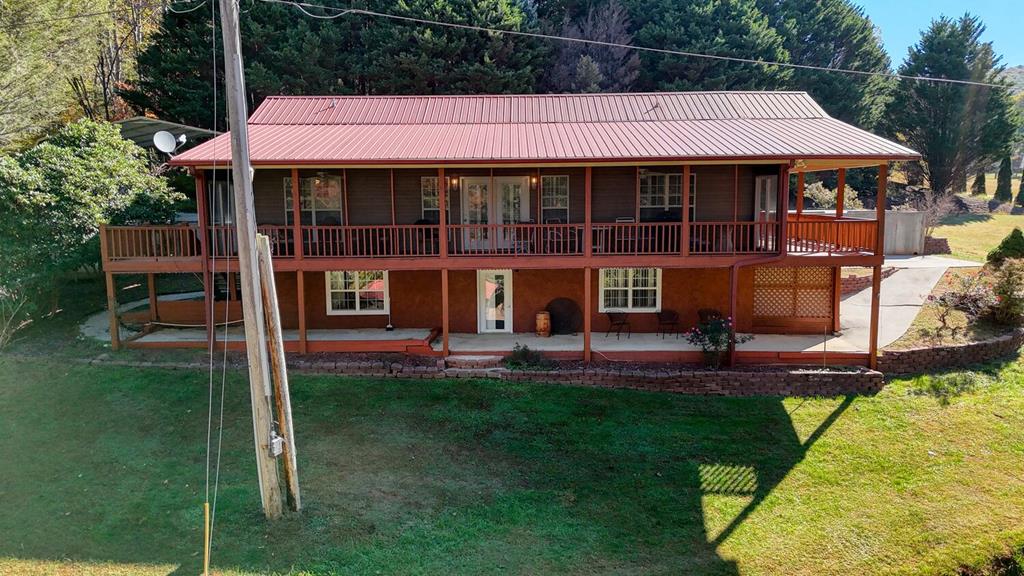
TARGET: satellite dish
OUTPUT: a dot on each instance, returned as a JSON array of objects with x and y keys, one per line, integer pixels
[{"x": 165, "y": 142}]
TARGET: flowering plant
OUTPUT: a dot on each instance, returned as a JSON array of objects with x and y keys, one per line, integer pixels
[{"x": 713, "y": 338}]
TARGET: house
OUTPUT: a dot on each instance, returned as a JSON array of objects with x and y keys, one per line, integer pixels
[{"x": 454, "y": 218}]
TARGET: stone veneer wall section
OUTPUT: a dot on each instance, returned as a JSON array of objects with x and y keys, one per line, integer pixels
[{"x": 937, "y": 358}]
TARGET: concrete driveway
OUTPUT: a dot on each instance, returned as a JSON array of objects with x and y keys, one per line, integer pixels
[{"x": 903, "y": 294}]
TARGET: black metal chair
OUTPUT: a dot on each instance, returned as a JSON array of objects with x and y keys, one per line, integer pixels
[
  {"x": 618, "y": 321},
  {"x": 668, "y": 322}
]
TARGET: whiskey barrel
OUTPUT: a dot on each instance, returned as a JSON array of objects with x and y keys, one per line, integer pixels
[{"x": 543, "y": 324}]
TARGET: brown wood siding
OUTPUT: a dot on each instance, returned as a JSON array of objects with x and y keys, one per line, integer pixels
[
  {"x": 369, "y": 197},
  {"x": 613, "y": 192},
  {"x": 408, "y": 201},
  {"x": 268, "y": 196},
  {"x": 577, "y": 191}
]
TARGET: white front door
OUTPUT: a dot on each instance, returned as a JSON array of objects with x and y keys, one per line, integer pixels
[
  {"x": 766, "y": 202},
  {"x": 494, "y": 300}
]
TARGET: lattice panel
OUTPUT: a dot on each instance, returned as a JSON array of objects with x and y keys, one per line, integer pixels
[
  {"x": 813, "y": 303},
  {"x": 819, "y": 276},
  {"x": 773, "y": 301},
  {"x": 793, "y": 292},
  {"x": 774, "y": 276}
]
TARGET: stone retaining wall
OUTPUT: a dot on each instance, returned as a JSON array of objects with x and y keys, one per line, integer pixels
[
  {"x": 766, "y": 381},
  {"x": 937, "y": 358},
  {"x": 936, "y": 246},
  {"x": 850, "y": 284}
]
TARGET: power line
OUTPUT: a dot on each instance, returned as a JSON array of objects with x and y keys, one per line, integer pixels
[{"x": 339, "y": 12}]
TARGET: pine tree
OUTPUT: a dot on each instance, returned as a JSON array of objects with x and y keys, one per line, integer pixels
[
  {"x": 834, "y": 34},
  {"x": 978, "y": 186},
  {"x": 618, "y": 67},
  {"x": 723, "y": 27},
  {"x": 1003, "y": 192},
  {"x": 953, "y": 126}
]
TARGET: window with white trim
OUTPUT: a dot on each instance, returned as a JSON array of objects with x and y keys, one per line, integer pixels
[
  {"x": 430, "y": 200},
  {"x": 554, "y": 199},
  {"x": 630, "y": 290},
  {"x": 664, "y": 192},
  {"x": 319, "y": 200},
  {"x": 353, "y": 292}
]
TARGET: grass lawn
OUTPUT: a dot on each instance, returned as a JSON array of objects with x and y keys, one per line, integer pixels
[
  {"x": 104, "y": 471},
  {"x": 971, "y": 236}
]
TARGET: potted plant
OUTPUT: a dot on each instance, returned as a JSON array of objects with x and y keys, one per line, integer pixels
[{"x": 713, "y": 338}]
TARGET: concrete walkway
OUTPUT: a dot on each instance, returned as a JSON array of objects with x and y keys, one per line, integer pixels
[{"x": 903, "y": 294}]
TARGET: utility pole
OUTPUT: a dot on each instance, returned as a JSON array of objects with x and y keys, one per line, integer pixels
[{"x": 248, "y": 267}]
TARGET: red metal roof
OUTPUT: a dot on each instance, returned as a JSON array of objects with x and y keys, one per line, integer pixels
[{"x": 546, "y": 129}]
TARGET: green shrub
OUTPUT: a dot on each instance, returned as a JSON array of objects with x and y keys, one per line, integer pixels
[
  {"x": 978, "y": 187},
  {"x": 1003, "y": 177},
  {"x": 823, "y": 197},
  {"x": 1011, "y": 247},
  {"x": 523, "y": 358},
  {"x": 1008, "y": 285}
]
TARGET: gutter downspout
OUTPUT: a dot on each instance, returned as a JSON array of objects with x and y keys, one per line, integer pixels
[{"x": 783, "y": 239}]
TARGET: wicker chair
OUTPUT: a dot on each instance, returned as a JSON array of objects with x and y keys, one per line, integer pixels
[{"x": 618, "y": 321}]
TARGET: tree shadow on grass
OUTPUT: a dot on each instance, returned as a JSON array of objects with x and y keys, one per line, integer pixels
[
  {"x": 965, "y": 219},
  {"x": 445, "y": 477}
]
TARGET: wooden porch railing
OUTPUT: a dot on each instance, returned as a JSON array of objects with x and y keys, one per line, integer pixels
[
  {"x": 727, "y": 238},
  {"x": 151, "y": 242},
  {"x": 637, "y": 238},
  {"x": 403, "y": 240},
  {"x": 224, "y": 240},
  {"x": 515, "y": 239},
  {"x": 812, "y": 234}
]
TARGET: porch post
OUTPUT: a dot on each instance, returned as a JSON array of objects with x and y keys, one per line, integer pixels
[
  {"x": 394, "y": 219},
  {"x": 587, "y": 306},
  {"x": 837, "y": 292},
  {"x": 444, "y": 311},
  {"x": 876, "y": 271},
  {"x": 684, "y": 236},
  {"x": 154, "y": 314},
  {"x": 296, "y": 216},
  {"x": 300, "y": 289},
  {"x": 799, "y": 194},
  {"x": 442, "y": 199},
  {"x": 636, "y": 196},
  {"x": 204, "y": 246},
  {"x": 841, "y": 193},
  {"x": 115, "y": 333},
  {"x": 783, "y": 208},
  {"x": 588, "y": 232}
]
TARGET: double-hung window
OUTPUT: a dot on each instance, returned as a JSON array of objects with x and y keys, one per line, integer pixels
[
  {"x": 430, "y": 200},
  {"x": 630, "y": 290},
  {"x": 320, "y": 202},
  {"x": 357, "y": 292},
  {"x": 660, "y": 193},
  {"x": 554, "y": 199}
]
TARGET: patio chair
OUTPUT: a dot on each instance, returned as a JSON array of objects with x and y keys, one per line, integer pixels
[
  {"x": 668, "y": 322},
  {"x": 618, "y": 321}
]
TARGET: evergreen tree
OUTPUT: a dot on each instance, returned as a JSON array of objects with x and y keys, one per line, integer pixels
[
  {"x": 834, "y": 34},
  {"x": 618, "y": 68},
  {"x": 978, "y": 186},
  {"x": 953, "y": 126},
  {"x": 720, "y": 27},
  {"x": 288, "y": 52},
  {"x": 1003, "y": 192},
  {"x": 1020, "y": 189}
]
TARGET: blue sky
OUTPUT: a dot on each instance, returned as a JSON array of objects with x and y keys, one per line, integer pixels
[{"x": 901, "y": 22}]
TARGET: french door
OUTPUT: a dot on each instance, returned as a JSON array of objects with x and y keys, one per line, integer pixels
[
  {"x": 494, "y": 301},
  {"x": 507, "y": 202}
]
